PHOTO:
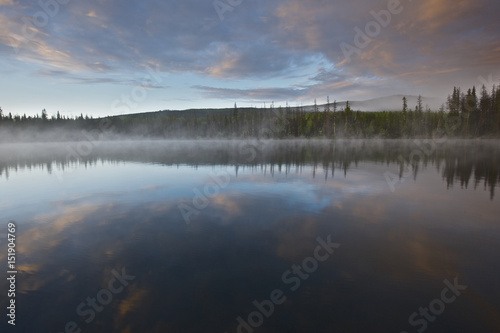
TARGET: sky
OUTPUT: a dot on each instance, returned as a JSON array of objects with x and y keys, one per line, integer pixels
[{"x": 109, "y": 57}]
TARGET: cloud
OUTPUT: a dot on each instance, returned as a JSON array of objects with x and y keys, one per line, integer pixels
[
  {"x": 430, "y": 46},
  {"x": 256, "y": 94},
  {"x": 258, "y": 59},
  {"x": 92, "y": 14},
  {"x": 65, "y": 76},
  {"x": 426, "y": 40}
]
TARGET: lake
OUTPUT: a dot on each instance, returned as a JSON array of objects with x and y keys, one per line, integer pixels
[{"x": 252, "y": 236}]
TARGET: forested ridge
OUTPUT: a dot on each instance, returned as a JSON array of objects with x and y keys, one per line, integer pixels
[{"x": 465, "y": 114}]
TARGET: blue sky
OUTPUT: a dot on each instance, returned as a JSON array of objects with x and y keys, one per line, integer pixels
[{"x": 106, "y": 57}]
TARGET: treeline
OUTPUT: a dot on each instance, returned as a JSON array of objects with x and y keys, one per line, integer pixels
[
  {"x": 465, "y": 114},
  {"x": 36, "y": 119}
]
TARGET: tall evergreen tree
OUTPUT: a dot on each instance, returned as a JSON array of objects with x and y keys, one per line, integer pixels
[
  {"x": 419, "y": 104},
  {"x": 347, "y": 114},
  {"x": 235, "y": 120},
  {"x": 327, "y": 122},
  {"x": 334, "y": 117},
  {"x": 484, "y": 109}
]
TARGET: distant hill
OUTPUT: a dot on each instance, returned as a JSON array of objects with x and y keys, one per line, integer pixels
[
  {"x": 388, "y": 103},
  {"x": 395, "y": 103}
]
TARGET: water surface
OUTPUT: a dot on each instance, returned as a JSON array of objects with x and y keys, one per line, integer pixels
[{"x": 206, "y": 233}]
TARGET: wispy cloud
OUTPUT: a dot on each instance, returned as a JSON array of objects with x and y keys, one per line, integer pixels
[
  {"x": 257, "y": 94},
  {"x": 69, "y": 77},
  {"x": 430, "y": 46}
]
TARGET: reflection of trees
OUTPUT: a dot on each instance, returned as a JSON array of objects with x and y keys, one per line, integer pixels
[
  {"x": 458, "y": 161},
  {"x": 463, "y": 161}
]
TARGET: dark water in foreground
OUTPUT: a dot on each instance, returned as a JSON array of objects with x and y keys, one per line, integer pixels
[{"x": 298, "y": 236}]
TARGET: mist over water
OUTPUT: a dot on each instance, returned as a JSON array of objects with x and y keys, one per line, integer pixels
[
  {"x": 206, "y": 230},
  {"x": 455, "y": 159}
]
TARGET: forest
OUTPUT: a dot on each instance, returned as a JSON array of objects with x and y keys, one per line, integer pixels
[{"x": 467, "y": 114}]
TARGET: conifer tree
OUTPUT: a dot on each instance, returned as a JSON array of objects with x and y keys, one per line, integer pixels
[
  {"x": 334, "y": 117},
  {"x": 327, "y": 122}
]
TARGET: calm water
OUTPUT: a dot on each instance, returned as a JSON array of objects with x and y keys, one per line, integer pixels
[{"x": 259, "y": 236}]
